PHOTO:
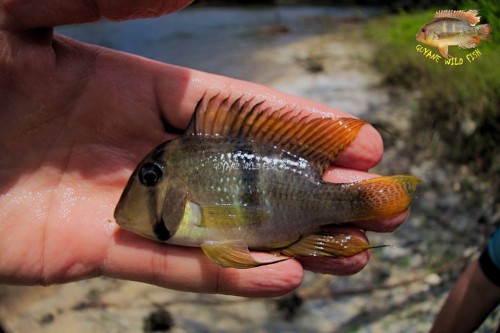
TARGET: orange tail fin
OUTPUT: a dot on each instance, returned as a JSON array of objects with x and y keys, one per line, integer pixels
[
  {"x": 485, "y": 31},
  {"x": 383, "y": 196}
]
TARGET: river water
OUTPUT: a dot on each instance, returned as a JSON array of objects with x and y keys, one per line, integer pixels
[
  {"x": 305, "y": 51},
  {"x": 217, "y": 40}
]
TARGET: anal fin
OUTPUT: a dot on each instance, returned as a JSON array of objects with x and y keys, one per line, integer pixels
[
  {"x": 328, "y": 244},
  {"x": 474, "y": 41},
  {"x": 233, "y": 253}
]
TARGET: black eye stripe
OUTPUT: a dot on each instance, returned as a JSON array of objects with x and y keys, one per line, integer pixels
[
  {"x": 161, "y": 230},
  {"x": 150, "y": 173}
]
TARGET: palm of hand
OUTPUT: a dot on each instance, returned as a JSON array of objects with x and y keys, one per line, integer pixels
[
  {"x": 84, "y": 126},
  {"x": 75, "y": 121}
]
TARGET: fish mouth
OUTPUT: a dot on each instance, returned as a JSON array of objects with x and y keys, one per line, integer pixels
[
  {"x": 122, "y": 221},
  {"x": 131, "y": 225}
]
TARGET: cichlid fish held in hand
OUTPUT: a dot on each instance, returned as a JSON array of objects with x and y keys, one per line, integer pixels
[
  {"x": 454, "y": 27},
  {"x": 248, "y": 177}
]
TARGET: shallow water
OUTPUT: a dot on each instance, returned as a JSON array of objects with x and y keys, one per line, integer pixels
[{"x": 217, "y": 40}]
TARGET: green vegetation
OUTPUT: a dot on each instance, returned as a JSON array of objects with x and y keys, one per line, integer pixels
[
  {"x": 454, "y": 133},
  {"x": 458, "y": 106}
]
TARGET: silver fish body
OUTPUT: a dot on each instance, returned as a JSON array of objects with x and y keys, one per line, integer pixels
[
  {"x": 243, "y": 179},
  {"x": 259, "y": 193}
]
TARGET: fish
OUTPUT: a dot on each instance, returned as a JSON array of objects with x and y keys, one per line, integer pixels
[
  {"x": 454, "y": 27},
  {"x": 245, "y": 176}
]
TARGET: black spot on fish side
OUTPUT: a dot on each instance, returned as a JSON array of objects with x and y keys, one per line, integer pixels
[
  {"x": 249, "y": 173},
  {"x": 161, "y": 231}
]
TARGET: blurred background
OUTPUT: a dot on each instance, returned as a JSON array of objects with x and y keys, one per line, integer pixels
[{"x": 439, "y": 122}]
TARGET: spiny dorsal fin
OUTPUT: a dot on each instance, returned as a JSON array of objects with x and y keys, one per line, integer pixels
[
  {"x": 470, "y": 15},
  {"x": 318, "y": 140}
]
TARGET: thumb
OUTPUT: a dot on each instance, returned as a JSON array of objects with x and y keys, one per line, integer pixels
[
  {"x": 123, "y": 10},
  {"x": 22, "y": 15}
]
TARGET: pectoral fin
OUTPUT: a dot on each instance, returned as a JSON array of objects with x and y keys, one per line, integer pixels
[
  {"x": 233, "y": 253},
  {"x": 232, "y": 216},
  {"x": 172, "y": 212},
  {"x": 327, "y": 244}
]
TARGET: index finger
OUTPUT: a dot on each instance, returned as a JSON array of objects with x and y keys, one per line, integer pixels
[
  {"x": 131, "y": 257},
  {"x": 177, "y": 89},
  {"x": 24, "y": 15},
  {"x": 362, "y": 154}
]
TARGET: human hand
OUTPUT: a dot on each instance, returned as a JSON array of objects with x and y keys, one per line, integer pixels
[{"x": 76, "y": 119}]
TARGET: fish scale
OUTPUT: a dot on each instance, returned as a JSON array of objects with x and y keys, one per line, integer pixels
[{"x": 300, "y": 203}]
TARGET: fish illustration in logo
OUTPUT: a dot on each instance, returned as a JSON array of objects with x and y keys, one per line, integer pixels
[{"x": 454, "y": 27}]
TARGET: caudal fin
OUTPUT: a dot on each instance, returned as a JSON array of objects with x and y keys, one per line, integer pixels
[
  {"x": 485, "y": 31},
  {"x": 382, "y": 196}
]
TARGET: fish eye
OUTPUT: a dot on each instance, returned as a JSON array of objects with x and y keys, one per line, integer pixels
[{"x": 150, "y": 173}]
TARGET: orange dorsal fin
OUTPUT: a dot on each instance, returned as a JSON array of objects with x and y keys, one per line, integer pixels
[
  {"x": 318, "y": 140},
  {"x": 470, "y": 15}
]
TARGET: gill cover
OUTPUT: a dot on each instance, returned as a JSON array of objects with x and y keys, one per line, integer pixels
[{"x": 150, "y": 205}]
